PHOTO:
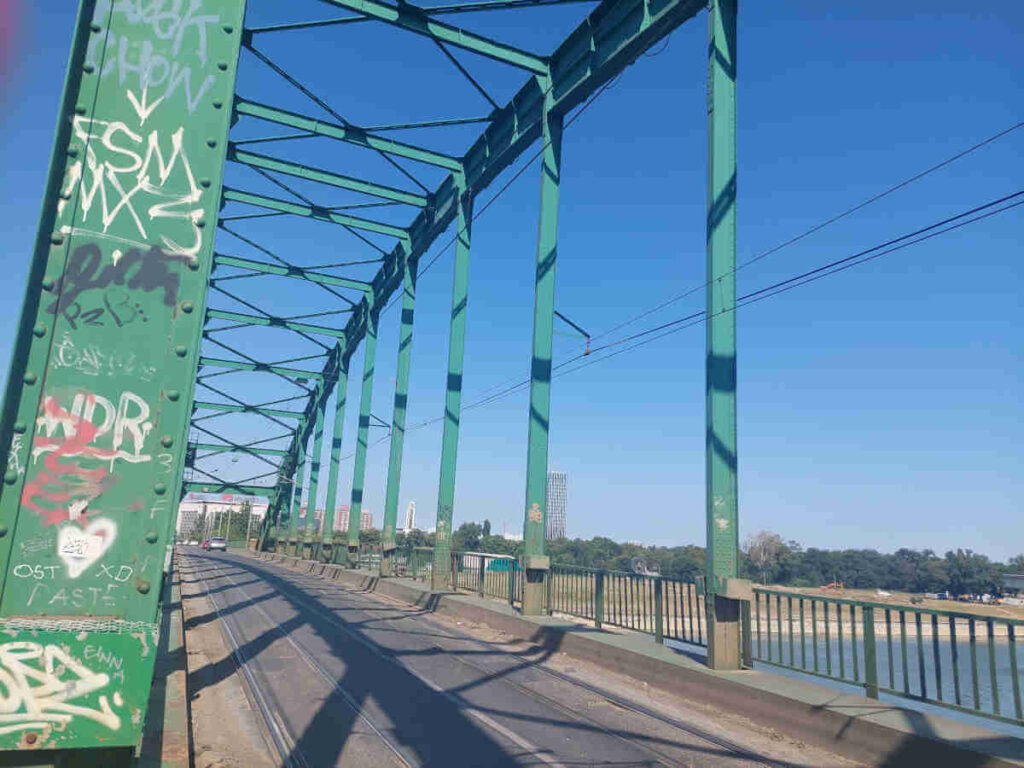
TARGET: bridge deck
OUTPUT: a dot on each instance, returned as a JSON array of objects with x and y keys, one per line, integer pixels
[{"x": 340, "y": 677}]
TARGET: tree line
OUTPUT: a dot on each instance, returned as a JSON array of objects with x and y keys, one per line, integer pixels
[{"x": 765, "y": 557}]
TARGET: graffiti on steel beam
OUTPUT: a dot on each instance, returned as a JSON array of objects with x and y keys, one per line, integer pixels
[{"x": 44, "y": 687}]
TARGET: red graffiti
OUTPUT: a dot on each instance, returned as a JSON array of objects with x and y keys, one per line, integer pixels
[{"x": 68, "y": 485}]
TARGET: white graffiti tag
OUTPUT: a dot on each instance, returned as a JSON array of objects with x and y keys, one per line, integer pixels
[
  {"x": 141, "y": 177},
  {"x": 166, "y": 52},
  {"x": 129, "y": 418},
  {"x": 39, "y": 686},
  {"x": 81, "y": 547}
]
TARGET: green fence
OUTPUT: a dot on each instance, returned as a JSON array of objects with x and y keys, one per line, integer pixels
[{"x": 958, "y": 660}]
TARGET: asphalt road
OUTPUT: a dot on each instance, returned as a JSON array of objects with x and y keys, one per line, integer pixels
[{"x": 340, "y": 677}]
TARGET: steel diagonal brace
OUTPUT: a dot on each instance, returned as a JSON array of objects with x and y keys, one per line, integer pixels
[
  {"x": 272, "y": 321},
  {"x": 415, "y": 20},
  {"x": 240, "y": 365},
  {"x": 248, "y": 490},
  {"x": 309, "y": 173},
  {"x": 312, "y": 212},
  {"x": 349, "y": 134},
  {"x": 223, "y": 260},
  {"x": 271, "y": 413}
]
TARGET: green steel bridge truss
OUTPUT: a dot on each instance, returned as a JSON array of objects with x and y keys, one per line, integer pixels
[{"x": 120, "y": 395}]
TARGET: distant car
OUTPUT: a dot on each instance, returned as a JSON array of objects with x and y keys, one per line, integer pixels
[{"x": 217, "y": 542}]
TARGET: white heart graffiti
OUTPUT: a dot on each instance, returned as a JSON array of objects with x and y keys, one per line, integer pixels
[{"x": 81, "y": 547}]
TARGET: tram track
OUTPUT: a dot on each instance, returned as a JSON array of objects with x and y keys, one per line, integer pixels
[
  {"x": 281, "y": 739},
  {"x": 299, "y": 583}
]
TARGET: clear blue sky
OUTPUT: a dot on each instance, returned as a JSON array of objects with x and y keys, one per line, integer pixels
[{"x": 883, "y": 407}]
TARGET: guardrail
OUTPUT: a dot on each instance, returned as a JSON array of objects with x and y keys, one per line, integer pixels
[
  {"x": 961, "y": 661},
  {"x": 655, "y": 605}
]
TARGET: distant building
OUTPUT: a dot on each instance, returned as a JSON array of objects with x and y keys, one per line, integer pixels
[
  {"x": 512, "y": 536},
  {"x": 557, "y": 499},
  {"x": 212, "y": 508},
  {"x": 410, "y": 518},
  {"x": 341, "y": 518},
  {"x": 365, "y": 519}
]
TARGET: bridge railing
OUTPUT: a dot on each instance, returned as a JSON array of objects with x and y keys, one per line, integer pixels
[
  {"x": 659, "y": 606},
  {"x": 962, "y": 661}
]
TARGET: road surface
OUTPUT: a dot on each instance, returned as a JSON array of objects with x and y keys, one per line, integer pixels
[{"x": 339, "y": 677}]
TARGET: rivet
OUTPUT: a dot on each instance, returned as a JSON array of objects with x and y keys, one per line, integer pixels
[
  {"x": 143, "y": 587},
  {"x": 20, "y": 427},
  {"x": 211, "y": 143},
  {"x": 218, "y": 104},
  {"x": 72, "y": 152},
  {"x": 222, "y": 66},
  {"x": 193, "y": 263},
  {"x": 10, "y": 477},
  {"x": 187, "y": 307},
  {"x": 39, "y": 330},
  {"x": 173, "y": 395},
  {"x": 159, "y": 489},
  {"x": 47, "y": 283},
  {"x": 95, "y": 27},
  {"x": 228, "y": 28},
  {"x": 3, "y": 529},
  {"x": 88, "y": 68},
  {"x": 166, "y": 441},
  {"x": 180, "y": 350},
  {"x": 200, "y": 223},
  {"x": 29, "y": 377},
  {"x": 152, "y": 537},
  {"x": 204, "y": 183},
  {"x": 56, "y": 238},
  {"x": 80, "y": 109}
]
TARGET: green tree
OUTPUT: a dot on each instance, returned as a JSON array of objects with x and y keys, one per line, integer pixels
[
  {"x": 486, "y": 529},
  {"x": 467, "y": 538},
  {"x": 370, "y": 536}
]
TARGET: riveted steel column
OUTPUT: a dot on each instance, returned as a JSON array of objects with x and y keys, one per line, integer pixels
[
  {"x": 535, "y": 563},
  {"x": 340, "y": 393},
  {"x": 362, "y": 437},
  {"x": 314, "y": 469},
  {"x": 398, "y": 419},
  {"x": 440, "y": 577},
  {"x": 721, "y": 492},
  {"x": 300, "y": 469},
  {"x": 92, "y": 465}
]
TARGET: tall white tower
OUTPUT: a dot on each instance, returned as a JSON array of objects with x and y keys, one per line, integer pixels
[{"x": 410, "y": 517}]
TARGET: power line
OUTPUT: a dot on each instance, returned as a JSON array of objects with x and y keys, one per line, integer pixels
[
  {"x": 818, "y": 227},
  {"x": 642, "y": 338}
]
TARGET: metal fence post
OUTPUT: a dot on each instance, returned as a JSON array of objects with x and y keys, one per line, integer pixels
[
  {"x": 659, "y": 610},
  {"x": 746, "y": 640},
  {"x": 480, "y": 576},
  {"x": 511, "y": 583},
  {"x": 549, "y": 578},
  {"x": 599, "y": 599},
  {"x": 455, "y": 571},
  {"x": 870, "y": 656}
]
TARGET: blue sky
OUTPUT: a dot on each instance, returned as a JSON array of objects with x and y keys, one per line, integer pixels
[{"x": 878, "y": 408}]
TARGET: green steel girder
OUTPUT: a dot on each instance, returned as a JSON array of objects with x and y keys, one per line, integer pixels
[
  {"x": 224, "y": 487},
  {"x": 276, "y": 322},
  {"x": 236, "y": 449},
  {"x": 274, "y": 413},
  {"x": 242, "y": 365},
  {"x": 413, "y": 19},
  {"x": 223, "y": 260},
  {"x": 316, "y": 212},
  {"x": 309, "y": 173},
  {"x": 347, "y": 133},
  {"x": 607, "y": 41}
]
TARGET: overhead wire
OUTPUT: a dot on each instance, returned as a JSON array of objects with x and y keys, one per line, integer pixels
[{"x": 647, "y": 336}]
